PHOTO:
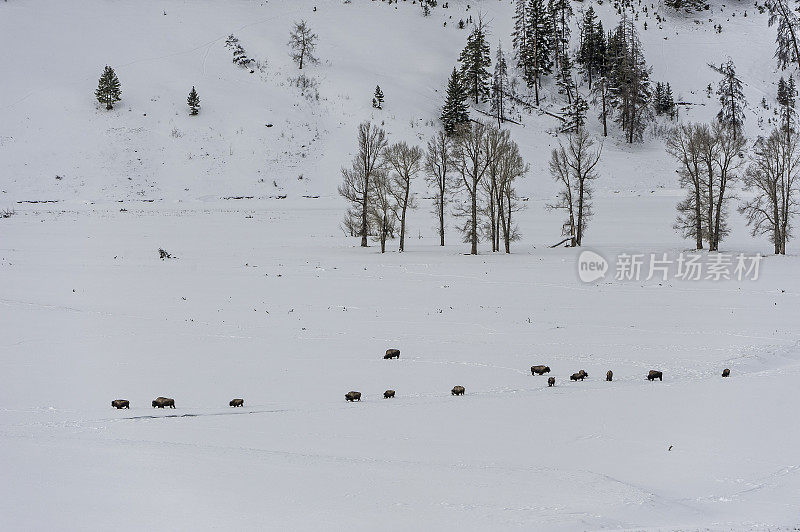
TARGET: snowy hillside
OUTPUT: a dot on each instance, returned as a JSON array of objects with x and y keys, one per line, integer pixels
[{"x": 268, "y": 300}]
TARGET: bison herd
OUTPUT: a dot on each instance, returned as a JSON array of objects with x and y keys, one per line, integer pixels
[
  {"x": 163, "y": 402},
  {"x": 352, "y": 396}
]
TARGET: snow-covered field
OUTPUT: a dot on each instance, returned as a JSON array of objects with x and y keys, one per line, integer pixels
[{"x": 267, "y": 299}]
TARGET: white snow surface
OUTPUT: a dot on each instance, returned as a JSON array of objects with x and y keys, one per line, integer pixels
[{"x": 268, "y": 300}]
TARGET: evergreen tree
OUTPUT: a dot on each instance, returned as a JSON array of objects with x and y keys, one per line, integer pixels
[
  {"x": 194, "y": 102},
  {"x": 455, "y": 110},
  {"x": 786, "y": 100},
  {"x": 592, "y": 48},
  {"x": 786, "y": 40},
  {"x": 475, "y": 63},
  {"x": 565, "y": 82},
  {"x": 629, "y": 81},
  {"x": 560, "y": 13},
  {"x": 377, "y": 101},
  {"x": 108, "y": 88},
  {"x": 575, "y": 115},
  {"x": 731, "y": 98},
  {"x": 499, "y": 86},
  {"x": 669, "y": 102},
  {"x": 520, "y": 34},
  {"x": 239, "y": 55},
  {"x": 532, "y": 39},
  {"x": 663, "y": 104}
]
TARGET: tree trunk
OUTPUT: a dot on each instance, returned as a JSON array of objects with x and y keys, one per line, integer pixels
[
  {"x": 474, "y": 220},
  {"x": 364, "y": 223},
  {"x": 698, "y": 215},
  {"x": 383, "y": 235},
  {"x": 603, "y": 98},
  {"x": 579, "y": 228},
  {"x": 718, "y": 214},
  {"x": 403, "y": 221}
]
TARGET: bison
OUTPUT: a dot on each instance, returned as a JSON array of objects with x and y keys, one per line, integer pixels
[
  {"x": 551, "y": 381},
  {"x": 458, "y": 390},
  {"x": 726, "y": 372},
  {"x": 121, "y": 403},
  {"x": 162, "y": 402},
  {"x": 236, "y": 402},
  {"x": 540, "y": 370},
  {"x": 653, "y": 375},
  {"x": 391, "y": 353},
  {"x": 353, "y": 396},
  {"x": 577, "y": 376},
  {"x": 610, "y": 376},
  {"x": 388, "y": 393}
]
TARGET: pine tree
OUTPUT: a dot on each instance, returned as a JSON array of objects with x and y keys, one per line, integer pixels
[
  {"x": 658, "y": 98},
  {"x": 499, "y": 86},
  {"x": 731, "y": 98},
  {"x": 591, "y": 50},
  {"x": 193, "y": 101},
  {"x": 669, "y": 102},
  {"x": 108, "y": 88},
  {"x": 560, "y": 13},
  {"x": 377, "y": 101},
  {"x": 786, "y": 40},
  {"x": 537, "y": 58},
  {"x": 239, "y": 55},
  {"x": 629, "y": 81},
  {"x": 455, "y": 111},
  {"x": 786, "y": 100},
  {"x": 475, "y": 63},
  {"x": 565, "y": 82},
  {"x": 520, "y": 34},
  {"x": 575, "y": 114}
]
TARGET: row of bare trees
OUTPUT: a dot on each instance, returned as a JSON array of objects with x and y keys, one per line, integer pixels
[
  {"x": 574, "y": 168},
  {"x": 473, "y": 170},
  {"x": 711, "y": 159},
  {"x": 709, "y": 162},
  {"x": 378, "y": 186}
]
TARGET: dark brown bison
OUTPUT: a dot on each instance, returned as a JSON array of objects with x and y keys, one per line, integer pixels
[
  {"x": 610, "y": 376},
  {"x": 577, "y": 376},
  {"x": 551, "y": 381},
  {"x": 121, "y": 403},
  {"x": 353, "y": 396},
  {"x": 540, "y": 370},
  {"x": 388, "y": 393},
  {"x": 391, "y": 353},
  {"x": 653, "y": 375},
  {"x": 726, "y": 372},
  {"x": 237, "y": 402},
  {"x": 458, "y": 390},
  {"x": 162, "y": 402}
]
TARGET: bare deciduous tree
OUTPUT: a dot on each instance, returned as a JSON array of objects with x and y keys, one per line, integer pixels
[
  {"x": 684, "y": 144},
  {"x": 302, "y": 42},
  {"x": 438, "y": 165},
  {"x": 708, "y": 159},
  {"x": 383, "y": 206},
  {"x": 729, "y": 145},
  {"x": 773, "y": 177},
  {"x": 470, "y": 161},
  {"x": 574, "y": 168},
  {"x": 404, "y": 160},
  {"x": 357, "y": 179},
  {"x": 511, "y": 166}
]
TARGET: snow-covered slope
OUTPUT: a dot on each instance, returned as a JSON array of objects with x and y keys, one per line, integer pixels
[{"x": 269, "y": 301}]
